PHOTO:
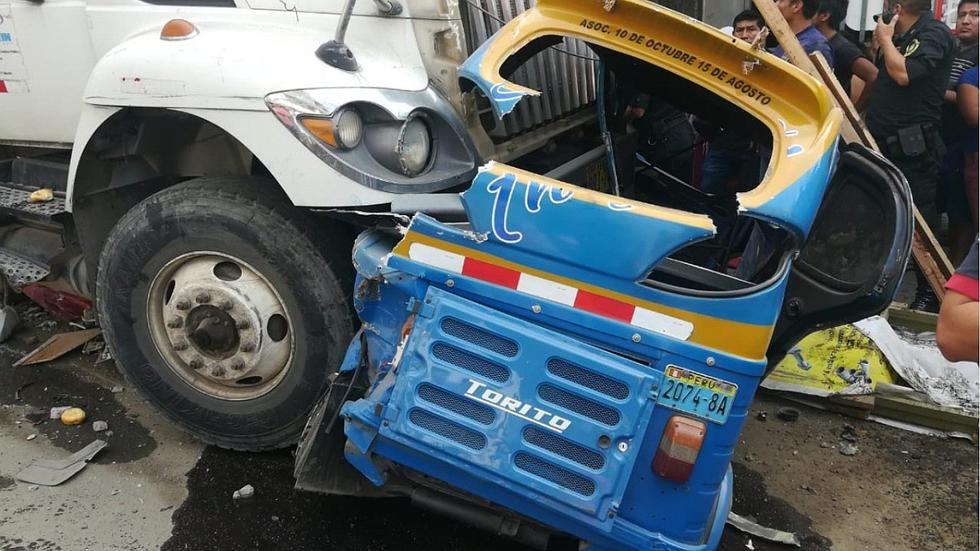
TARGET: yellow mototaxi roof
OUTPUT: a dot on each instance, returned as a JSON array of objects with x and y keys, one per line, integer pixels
[{"x": 795, "y": 107}]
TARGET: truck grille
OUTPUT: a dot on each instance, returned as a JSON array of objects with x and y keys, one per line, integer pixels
[{"x": 565, "y": 73}]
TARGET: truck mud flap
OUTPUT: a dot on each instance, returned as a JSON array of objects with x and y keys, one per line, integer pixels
[{"x": 320, "y": 464}]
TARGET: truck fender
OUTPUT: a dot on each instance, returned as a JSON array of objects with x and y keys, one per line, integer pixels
[{"x": 303, "y": 177}]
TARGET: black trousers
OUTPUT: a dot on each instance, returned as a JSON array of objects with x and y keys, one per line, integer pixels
[{"x": 922, "y": 173}]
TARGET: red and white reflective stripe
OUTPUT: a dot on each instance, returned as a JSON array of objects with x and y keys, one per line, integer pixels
[
  {"x": 13, "y": 86},
  {"x": 552, "y": 291}
]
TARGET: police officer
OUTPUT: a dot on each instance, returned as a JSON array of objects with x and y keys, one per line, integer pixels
[{"x": 915, "y": 55}]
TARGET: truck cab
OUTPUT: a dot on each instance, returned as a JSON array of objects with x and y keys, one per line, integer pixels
[{"x": 207, "y": 167}]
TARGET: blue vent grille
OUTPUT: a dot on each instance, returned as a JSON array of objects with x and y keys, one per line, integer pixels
[
  {"x": 447, "y": 429},
  {"x": 565, "y": 448},
  {"x": 470, "y": 362},
  {"x": 457, "y": 404},
  {"x": 578, "y": 404},
  {"x": 479, "y": 337},
  {"x": 587, "y": 378},
  {"x": 553, "y": 473}
]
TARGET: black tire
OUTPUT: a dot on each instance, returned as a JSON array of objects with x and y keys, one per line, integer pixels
[{"x": 308, "y": 266}]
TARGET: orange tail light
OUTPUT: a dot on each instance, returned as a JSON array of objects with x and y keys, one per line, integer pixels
[{"x": 679, "y": 448}]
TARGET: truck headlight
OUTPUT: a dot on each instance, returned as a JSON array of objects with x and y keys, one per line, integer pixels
[
  {"x": 344, "y": 129},
  {"x": 403, "y": 147},
  {"x": 390, "y": 140},
  {"x": 414, "y": 146}
]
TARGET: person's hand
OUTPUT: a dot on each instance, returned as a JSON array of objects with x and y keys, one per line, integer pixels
[{"x": 884, "y": 32}]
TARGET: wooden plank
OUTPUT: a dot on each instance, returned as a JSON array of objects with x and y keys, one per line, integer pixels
[
  {"x": 57, "y": 346},
  {"x": 795, "y": 53},
  {"x": 865, "y": 402},
  {"x": 843, "y": 101},
  {"x": 928, "y": 255},
  {"x": 900, "y": 315},
  {"x": 826, "y": 405},
  {"x": 910, "y": 410}
]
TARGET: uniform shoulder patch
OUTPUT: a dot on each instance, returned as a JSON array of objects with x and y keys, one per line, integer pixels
[{"x": 912, "y": 47}]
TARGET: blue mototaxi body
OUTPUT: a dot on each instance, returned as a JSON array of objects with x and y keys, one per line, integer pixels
[
  {"x": 521, "y": 358},
  {"x": 532, "y": 380}
]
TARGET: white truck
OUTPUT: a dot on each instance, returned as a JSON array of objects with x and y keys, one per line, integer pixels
[{"x": 206, "y": 158}]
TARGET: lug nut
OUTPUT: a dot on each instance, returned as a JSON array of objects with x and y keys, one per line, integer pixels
[
  {"x": 203, "y": 298},
  {"x": 180, "y": 345},
  {"x": 226, "y": 304},
  {"x": 196, "y": 363},
  {"x": 242, "y": 324},
  {"x": 175, "y": 322},
  {"x": 218, "y": 371},
  {"x": 237, "y": 364},
  {"x": 248, "y": 347},
  {"x": 183, "y": 304}
]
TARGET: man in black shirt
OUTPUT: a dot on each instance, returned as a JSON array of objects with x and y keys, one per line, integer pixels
[
  {"x": 849, "y": 60},
  {"x": 915, "y": 55}
]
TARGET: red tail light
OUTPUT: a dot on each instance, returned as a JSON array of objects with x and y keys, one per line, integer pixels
[{"x": 679, "y": 448}]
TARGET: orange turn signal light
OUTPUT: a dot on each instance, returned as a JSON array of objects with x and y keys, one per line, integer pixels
[
  {"x": 178, "y": 29},
  {"x": 322, "y": 129}
]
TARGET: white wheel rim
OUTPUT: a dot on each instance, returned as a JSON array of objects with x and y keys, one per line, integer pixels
[{"x": 220, "y": 325}]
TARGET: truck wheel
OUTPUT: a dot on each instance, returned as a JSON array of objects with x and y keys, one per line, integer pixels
[{"x": 226, "y": 309}]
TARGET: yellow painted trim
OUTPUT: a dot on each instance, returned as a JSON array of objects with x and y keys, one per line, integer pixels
[
  {"x": 745, "y": 340},
  {"x": 603, "y": 199},
  {"x": 654, "y": 33}
]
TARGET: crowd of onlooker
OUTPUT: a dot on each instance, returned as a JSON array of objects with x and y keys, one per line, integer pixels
[{"x": 918, "y": 91}]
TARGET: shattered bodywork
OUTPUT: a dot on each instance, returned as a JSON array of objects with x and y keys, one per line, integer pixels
[{"x": 522, "y": 362}]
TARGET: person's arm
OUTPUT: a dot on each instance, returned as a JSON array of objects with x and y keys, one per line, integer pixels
[
  {"x": 894, "y": 60},
  {"x": 866, "y": 71},
  {"x": 950, "y": 96},
  {"x": 968, "y": 97},
  {"x": 958, "y": 329}
]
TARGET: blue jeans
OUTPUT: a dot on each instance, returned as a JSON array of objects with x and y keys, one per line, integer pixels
[{"x": 722, "y": 165}]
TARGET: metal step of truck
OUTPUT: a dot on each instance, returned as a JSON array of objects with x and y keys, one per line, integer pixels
[
  {"x": 20, "y": 271},
  {"x": 15, "y": 202}
]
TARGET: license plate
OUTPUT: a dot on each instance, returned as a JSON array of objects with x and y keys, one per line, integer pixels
[{"x": 697, "y": 394}]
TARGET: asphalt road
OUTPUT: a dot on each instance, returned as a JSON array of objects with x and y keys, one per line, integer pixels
[{"x": 154, "y": 487}]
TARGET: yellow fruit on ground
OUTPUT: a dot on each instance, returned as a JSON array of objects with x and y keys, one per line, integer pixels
[{"x": 73, "y": 416}]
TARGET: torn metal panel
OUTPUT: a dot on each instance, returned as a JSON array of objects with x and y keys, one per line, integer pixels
[
  {"x": 52, "y": 472},
  {"x": 483, "y": 72},
  {"x": 771, "y": 534}
]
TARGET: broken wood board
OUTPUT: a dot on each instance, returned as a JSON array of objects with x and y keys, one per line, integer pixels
[{"x": 57, "y": 346}]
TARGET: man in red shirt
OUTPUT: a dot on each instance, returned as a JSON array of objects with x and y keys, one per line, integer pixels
[{"x": 958, "y": 330}]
